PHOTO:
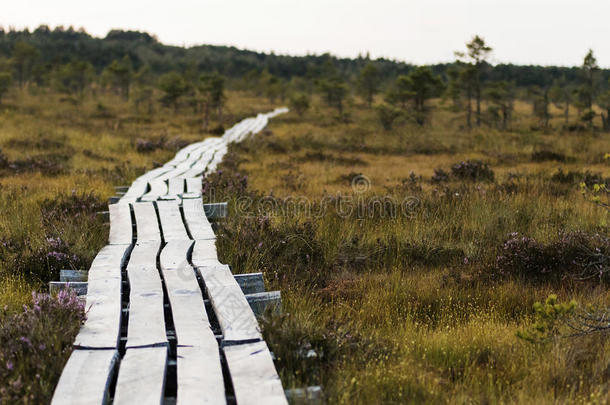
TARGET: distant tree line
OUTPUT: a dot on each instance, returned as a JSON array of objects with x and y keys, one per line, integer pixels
[{"x": 136, "y": 66}]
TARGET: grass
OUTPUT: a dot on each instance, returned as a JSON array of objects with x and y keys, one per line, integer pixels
[
  {"x": 418, "y": 308},
  {"x": 378, "y": 308}
]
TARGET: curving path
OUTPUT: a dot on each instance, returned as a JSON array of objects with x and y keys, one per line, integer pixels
[{"x": 162, "y": 310}]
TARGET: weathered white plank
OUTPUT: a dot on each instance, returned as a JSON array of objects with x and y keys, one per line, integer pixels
[
  {"x": 199, "y": 372},
  {"x": 185, "y": 296},
  {"x": 121, "y": 229},
  {"x": 183, "y": 153},
  {"x": 255, "y": 380},
  {"x": 85, "y": 378},
  {"x": 171, "y": 221},
  {"x": 196, "y": 170},
  {"x": 237, "y": 321},
  {"x": 147, "y": 225},
  {"x": 146, "y": 319},
  {"x": 159, "y": 171},
  {"x": 193, "y": 185},
  {"x": 178, "y": 170},
  {"x": 137, "y": 189},
  {"x": 220, "y": 153},
  {"x": 176, "y": 186},
  {"x": 158, "y": 187},
  {"x": 204, "y": 253},
  {"x": 196, "y": 220},
  {"x": 141, "y": 377},
  {"x": 103, "y": 305}
]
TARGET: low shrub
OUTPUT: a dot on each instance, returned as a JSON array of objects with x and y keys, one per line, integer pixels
[
  {"x": 49, "y": 164},
  {"x": 320, "y": 156},
  {"x": 306, "y": 351},
  {"x": 547, "y": 155},
  {"x": 578, "y": 255},
  {"x": 223, "y": 185},
  {"x": 347, "y": 178},
  {"x": 573, "y": 177},
  {"x": 36, "y": 343},
  {"x": 473, "y": 170},
  {"x": 71, "y": 205},
  {"x": 293, "y": 181},
  {"x": 39, "y": 262},
  {"x": 147, "y": 145},
  {"x": 440, "y": 176},
  {"x": 218, "y": 130},
  {"x": 3, "y": 160},
  {"x": 286, "y": 251}
]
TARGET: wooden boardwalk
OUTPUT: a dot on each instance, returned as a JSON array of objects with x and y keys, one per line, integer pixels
[{"x": 166, "y": 321}]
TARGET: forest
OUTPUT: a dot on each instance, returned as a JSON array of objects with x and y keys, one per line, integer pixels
[{"x": 71, "y": 61}]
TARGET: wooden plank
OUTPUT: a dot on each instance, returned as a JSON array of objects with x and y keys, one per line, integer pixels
[
  {"x": 137, "y": 189},
  {"x": 186, "y": 196},
  {"x": 178, "y": 170},
  {"x": 204, "y": 253},
  {"x": 199, "y": 375},
  {"x": 255, "y": 380},
  {"x": 237, "y": 321},
  {"x": 185, "y": 296},
  {"x": 103, "y": 305},
  {"x": 220, "y": 153},
  {"x": 79, "y": 287},
  {"x": 199, "y": 372},
  {"x": 196, "y": 170},
  {"x": 141, "y": 377},
  {"x": 159, "y": 171},
  {"x": 158, "y": 187},
  {"x": 265, "y": 301},
  {"x": 196, "y": 220},
  {"x": 200, "y": 165},
  {"x": 146, "y": 325},
  {"x": 68, "y": 275},
  {"x": 121, "y": 228},
  {"x": 176, "y": 186},
  {"x": 250, "y": 283},
  {"x": 147, "y": 225},
  {"x": 171, "y": 221},
  {"x": 193, "y": 185},
  {"x": 79, "y": 384},
  {"x": 183, "y": 153}
]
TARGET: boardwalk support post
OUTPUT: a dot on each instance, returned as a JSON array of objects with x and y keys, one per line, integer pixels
[
  {"x": 250, "y": 283},
  {"x": 216, "y": 210},
  {"x": 265, "y": 301},
  {"x": 80, "y": 287},
  {"x": 73, "y": 275}
]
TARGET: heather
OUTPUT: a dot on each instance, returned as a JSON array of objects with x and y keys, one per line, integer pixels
[{"x": 36, "y": 343}]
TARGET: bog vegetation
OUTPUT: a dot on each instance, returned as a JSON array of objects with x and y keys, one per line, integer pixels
[{"x": 439, "y": 234}]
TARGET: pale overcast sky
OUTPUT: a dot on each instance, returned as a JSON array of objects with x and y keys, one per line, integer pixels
[{"x": 418, "y": 31}]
